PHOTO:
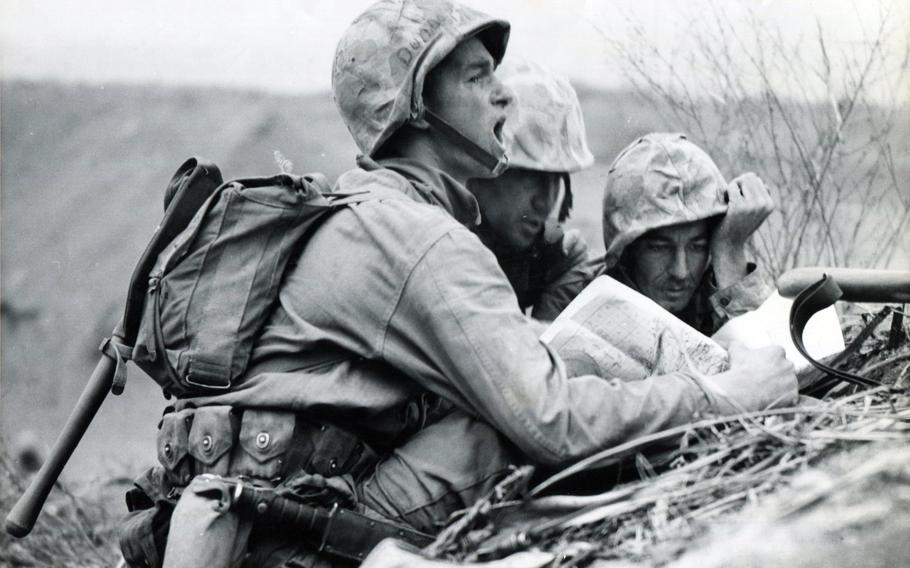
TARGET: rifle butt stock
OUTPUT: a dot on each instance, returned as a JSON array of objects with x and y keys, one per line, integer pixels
[{"x": 857, "y": 284}]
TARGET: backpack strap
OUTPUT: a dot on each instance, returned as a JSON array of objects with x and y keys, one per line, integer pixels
[{"x": 120, "y": 353}]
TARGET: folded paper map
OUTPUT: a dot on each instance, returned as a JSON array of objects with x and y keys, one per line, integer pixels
[{"x": 612, "y": 331}]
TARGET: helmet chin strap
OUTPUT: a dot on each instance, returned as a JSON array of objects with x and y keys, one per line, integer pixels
[
  {"x": 566, "y": 206},
  {"x": 496, "y": 165}
]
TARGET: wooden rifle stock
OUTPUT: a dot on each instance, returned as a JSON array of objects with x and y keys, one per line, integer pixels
[{"x": 857, "y": 284}]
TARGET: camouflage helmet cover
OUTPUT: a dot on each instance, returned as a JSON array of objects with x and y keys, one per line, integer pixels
[
  {"x": 545, "y": 130},
  {"x": 383, "y": 58},
  {"x": 660, "y": 179}
]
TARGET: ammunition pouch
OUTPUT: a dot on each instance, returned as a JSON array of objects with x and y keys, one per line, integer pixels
[
  {"x": 275, "y": 448},
  {"x": 256, "y": 443}
]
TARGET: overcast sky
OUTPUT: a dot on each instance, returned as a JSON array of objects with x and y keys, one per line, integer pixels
[{"x": 287, "y": 45}]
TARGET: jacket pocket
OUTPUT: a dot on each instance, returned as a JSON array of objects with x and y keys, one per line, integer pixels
[
  {"x": 173, "y": 445},
  {"x": 265, "y": 436},
  {"x": 212, "y": 436},
  {"x": 335, "y": 452}
]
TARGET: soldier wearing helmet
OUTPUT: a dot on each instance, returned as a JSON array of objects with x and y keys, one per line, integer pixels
[
  {"x": 382, "y": 69},
  {"x": 545, "y": 138},
  {"x": 402, "y": 374},
  {"x": 676, "y": 231}
]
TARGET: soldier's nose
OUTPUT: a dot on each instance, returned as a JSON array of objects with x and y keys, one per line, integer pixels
[
  {"x": 502, "y": 96},
  {"x": 679, "y": 269}
]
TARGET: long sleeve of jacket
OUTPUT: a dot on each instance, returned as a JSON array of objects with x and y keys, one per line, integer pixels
[
  {"x": 567, "y": 279},
  {"x": 457, "y": 329},
  {"x": 739, "y": 298},
  {"x": 404, "y": 286}
]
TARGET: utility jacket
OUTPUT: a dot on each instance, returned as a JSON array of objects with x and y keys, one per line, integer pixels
[
  {"x": 395, "y": 297},
  {"x": 549, "y": 274}
]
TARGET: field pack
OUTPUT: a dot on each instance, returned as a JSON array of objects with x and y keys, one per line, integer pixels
[{"x": 214, "y": 284}]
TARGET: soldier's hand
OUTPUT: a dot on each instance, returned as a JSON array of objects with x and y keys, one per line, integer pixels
[
  {"x": 749, "y": 204},
  {"x": 757, "y": 378}
]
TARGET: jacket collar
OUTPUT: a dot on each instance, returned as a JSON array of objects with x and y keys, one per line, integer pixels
[{"x": 430, "y": 185}]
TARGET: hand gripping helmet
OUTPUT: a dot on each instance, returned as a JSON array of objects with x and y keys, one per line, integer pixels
[
  {"x": 545, "y": 130},
  {"x": 384, "y": 57},
  {"x": 660, "y": 179}
]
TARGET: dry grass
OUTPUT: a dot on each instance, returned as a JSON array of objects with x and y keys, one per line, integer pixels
[
  {"x": 78, "y": 530},
  {"x": 715, "y": 468}
]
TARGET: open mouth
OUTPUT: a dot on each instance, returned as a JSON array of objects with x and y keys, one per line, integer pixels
[{"x": 497, "y": 130}]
